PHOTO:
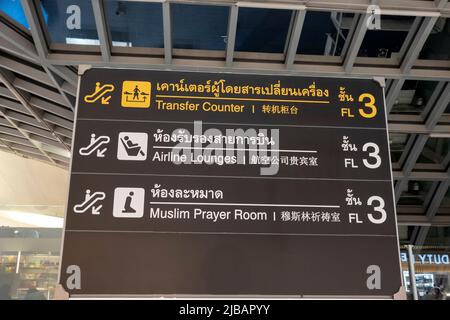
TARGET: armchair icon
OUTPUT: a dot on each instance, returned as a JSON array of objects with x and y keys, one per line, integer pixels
[{"x": 131, "y": 148}]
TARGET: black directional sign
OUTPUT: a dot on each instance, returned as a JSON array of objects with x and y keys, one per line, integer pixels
[{"x": 187, "y": 183}]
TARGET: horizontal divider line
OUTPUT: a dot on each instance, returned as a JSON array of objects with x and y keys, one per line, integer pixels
[
  {"x": 231, "y": 123},
  {"x": 226, "y": 177},
  {"x": 235, "y": 233}
]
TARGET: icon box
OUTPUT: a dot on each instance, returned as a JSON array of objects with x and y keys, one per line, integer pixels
[
  {"x": 132, "y": 146},
  {"x": 136, "y": 94},
  {"x": 129, "y": 202}
]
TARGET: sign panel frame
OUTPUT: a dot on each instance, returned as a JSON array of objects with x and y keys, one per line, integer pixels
[{"x": 139, "y": 213}]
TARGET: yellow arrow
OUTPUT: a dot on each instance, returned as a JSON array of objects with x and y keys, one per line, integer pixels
[{"x": 105, "y": 100}]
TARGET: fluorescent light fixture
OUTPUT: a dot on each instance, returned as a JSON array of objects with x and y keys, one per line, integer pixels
[
  {"x": 262, "y": 5},
  {"x": 122, "y": 44},
  {"x": 94, "y": 42},
  {"x": 32, "y": 219},
  {"x": 409, "y": 13},
  {"x": 440, "y": 135},
  {"x": 157, "y": 1},
  {"x": 18, "y": 261},
  {"x": 90, "y": 42}
]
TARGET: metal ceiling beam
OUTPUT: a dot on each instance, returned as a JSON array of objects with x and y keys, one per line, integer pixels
[
  {"x": 442, "y": 130},
  {"x": 10, "y": 131},
  {"x": 38, "y": 90},
  {"x": 357, "y": 39},
  {"x": 17, "y": 140},
  {"x": 446, "y": 161},
  {"x": 13, "y": 50},
  {"x": 36, "y": 31},
  {"x": 432, "y": 210},
  {"x": 58, "y": 121},
  {"x": 4, "y": 123},
  {"x": 20, "y": 117},
  {"x": 40, "y": 104},
  {"x": 58, "y": 84},
  {"x": 350, "y": 35},
  {"x": 44, "y": 140},
  {"x": 413, "y": 51},
  {"x": 417, "y": 7},
  {"x": 327, "y": 66},
  {"x": 16, "y": 112},
  {"x": 421, "y": 175},
  {"x": 422, "y": 220},
  {"x": 294, "y": 38},
  {"x": 439, "y": 107},
  {"x": 322, "y": 69},
  {"x": 408, "y": 146},
  {"x": 39, "y": 132},
  {"x": 102, "y": 30},
  {"x": 25, "y": 135},
  {"x": 65, "y": 73},
  {"x": 414, "y": 154},
  {"x": 36, "y": 114},
  {"x": 7, "y": 145},
  {"x": 14, "y": 39},
  {"x": 25, "y": 70},
  {"x": 430, "y": 194},
  {"x": 231, "y": 35},
  {"x": 52, "y": 108},
  {"x": 167, "y": 29},
  {"x": 66, "y": 133},
  {"x": 40, "y": 42},
  {"x": 432, "y": 100},
  {"x": 409, "y": 164},
  {"x": 394, "y": 91},
  {"x": 410, "y": 36},
  {"x": 440, "y": 3}
]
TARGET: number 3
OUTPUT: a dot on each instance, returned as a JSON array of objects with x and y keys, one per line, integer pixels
[
  {"x": 373, "y": 154},
  {"x": 379, "y": 208},
  {"x": 370, "y": 104}
]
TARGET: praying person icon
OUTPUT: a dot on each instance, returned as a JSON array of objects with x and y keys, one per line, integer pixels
[
  {"x": 128, "y": 202},
  {"x": 127, "y": 207}
]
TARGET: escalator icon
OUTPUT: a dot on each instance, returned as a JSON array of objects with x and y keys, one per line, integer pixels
[
  {"x": 100, "y": 92},
  {"x": 132, "y": 146},
  {"x": 95, "y": 144},
  {"x": 90, "y": 200}
]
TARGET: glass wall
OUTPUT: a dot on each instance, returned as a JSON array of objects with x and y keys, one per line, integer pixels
[
  {"x": 437, "y": 46},
  {"x": 68, "y": 22},
  {"x": 29, "y": 274},
  {"x": 397, "y": 143},
  {"x": 416, "y": 193},
  {"x": 325, "y": 33},
  {"x": 199, "y": 27},
  {"x": 262, "y": 30},
  {"x": 135, "y": 24},
  {"x": 387, "y": 41},
  {"x": 432, "y": 270},
  {"x": 413, "y": 97},
  {"x": 437, "y": 151},
  {"x": 13, "y": 9}
]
